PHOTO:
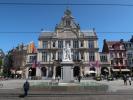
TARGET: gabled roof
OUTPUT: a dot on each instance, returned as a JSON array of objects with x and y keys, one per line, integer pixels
[
  {"x": 46, "y": 35},
  {"x": 89, "y": 33},
  {"x": 110, "y": 43},
  {"x": 67, "y": 18}
]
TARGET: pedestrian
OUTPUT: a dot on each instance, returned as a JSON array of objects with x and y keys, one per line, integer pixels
[
  {"x": 130, "y": 80},
  {"x": 26, "y": 87},
  {"x": 79, "y": 78},
  {"x": 125, "y": 79},
  {"x": 58, "y": 79}
]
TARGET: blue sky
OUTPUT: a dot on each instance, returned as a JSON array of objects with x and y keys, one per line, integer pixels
[{"x": 31, "y": 19}]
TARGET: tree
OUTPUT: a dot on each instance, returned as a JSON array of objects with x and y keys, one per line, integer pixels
[
  {"x": 0, "y": 66},
  {"x": 0, "y": 63},
  {"x": 8, "y": 64}
]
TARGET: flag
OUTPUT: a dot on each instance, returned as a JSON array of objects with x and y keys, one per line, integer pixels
[
  {"x": 38, "y": 64},
  {"x": 90, "y": 64},
  {"x": 34, "y": 64},
  {"x": 97, "y": 64}
]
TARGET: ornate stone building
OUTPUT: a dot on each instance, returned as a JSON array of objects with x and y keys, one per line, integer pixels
[
  {"x": 118, "y": 58},
  {"x": 19, "y": 59},
  {"x": 83, "y": 45},
  {"x": 31, "y": 61},
  {"x": 129, "y": 53},
  {"x": 105, "y": 63}
]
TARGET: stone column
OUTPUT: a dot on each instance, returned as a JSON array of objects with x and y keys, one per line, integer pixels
[
  {"x": 61, "y": 73},
  {"x": 85, "y": 56},
  {"x": 109, "y": 71},
  {"x": 63, "y": 43},
  {"x": 54, "y": 72},
  {"x": 72, "y": 73},
  {"x": 47, "y": 72},
  {"x": 71, "y": 43},
  {"x": 56, "y": 56},
  {"x": 27, "y": 72},
  {"x": 81, "y": 74}
]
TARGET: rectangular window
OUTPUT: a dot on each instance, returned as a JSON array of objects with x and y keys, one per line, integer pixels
[
  {"x": 68, "y": 42},
  {"x": 32, "y": 58},
  {"x": 125, "y": 62},
  {"x": 90, "y": 44},
  {"x": 59, "y": 55},
  {"x": 53, "y": 56},
  {"x": 116, "y": 62},
  {"x": 81, "y": 43},
  {"x": 75, "y": 44},
  {"x": 81, "y": 55},
  {"x": 121, "y": 62},
  {"x": 45, "y": 44},
  {"x": 75, "y": 55},
  {"x": 44, "y": 56},
  {"x": 112, "y": 62},
  {"x": 103, "y": 58},
  {"x": 120, "y": 55},
  {"x": 91, "y": 56},
  {"x": 54, "y": 43},
  {"x": 60, "y": 44}
]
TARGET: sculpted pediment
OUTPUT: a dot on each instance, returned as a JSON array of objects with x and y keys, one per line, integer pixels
[{"x": 66, "y": 34}]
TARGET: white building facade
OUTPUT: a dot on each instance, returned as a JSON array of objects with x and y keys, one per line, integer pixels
[{"x": 84, "y": 48}]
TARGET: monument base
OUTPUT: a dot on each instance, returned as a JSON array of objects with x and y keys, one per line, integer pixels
[{"x": 67, "y": 72}]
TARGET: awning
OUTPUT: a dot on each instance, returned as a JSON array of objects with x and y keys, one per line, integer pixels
[
  {"x": 123, "y": 70},
  {"x": 89, "y": 72},
  {"x": 19, "y": 72},
  {"x": 12, "y": 71},
  {"x": 105, "y": 70}
]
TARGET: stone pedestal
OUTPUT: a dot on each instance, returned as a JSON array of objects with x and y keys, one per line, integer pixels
[
  {"x": 67, "y": 72},
  {"x": 27, "y": 72}
]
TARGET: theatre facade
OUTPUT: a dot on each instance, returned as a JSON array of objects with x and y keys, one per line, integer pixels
[{"x": 84, "y": 48}]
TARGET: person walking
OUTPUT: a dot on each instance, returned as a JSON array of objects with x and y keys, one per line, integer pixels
[
  {"x": 58, "y": 78},
  {"x": 125, "y": 79},
  {"x": 130, "y": 80},
  {"x": 79, "y": 78},
  {"x": 26, "y": 87}
]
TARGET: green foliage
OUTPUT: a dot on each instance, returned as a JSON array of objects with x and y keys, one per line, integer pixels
[
  {"x": 8, "y": 64},
  {"x": 0, "y": 63}
]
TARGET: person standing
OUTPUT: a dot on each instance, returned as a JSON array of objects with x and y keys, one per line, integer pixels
[
  {"x": 26, "y": 87},
  {"x": 58, "y": 78},
  {"x": 125, "y": 79},
  {"x": 130, "y": 80},
  {"x": 79, "y": 78}
]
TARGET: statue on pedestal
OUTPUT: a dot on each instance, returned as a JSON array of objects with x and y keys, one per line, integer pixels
[{"x": 67, "y": 55}]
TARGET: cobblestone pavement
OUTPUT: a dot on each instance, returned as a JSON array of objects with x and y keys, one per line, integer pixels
[
  {"x": 93, "y": 96},
  {"x": 117, "y": 91}
]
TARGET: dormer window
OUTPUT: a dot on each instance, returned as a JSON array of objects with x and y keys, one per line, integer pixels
[
  {"x": 53, "y": 43},
  {"x": 68, "y": 22}
]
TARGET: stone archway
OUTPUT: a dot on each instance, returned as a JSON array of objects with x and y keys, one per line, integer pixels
[
  {"x": 92, "y": 71},
  {"x": 58, "y": 71},
  {"x": 32, "y": 71},
  {"x": 104, "y": 71},
  {"x": 76, "y": 71},
  {"x": 44, "y": 71}
]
